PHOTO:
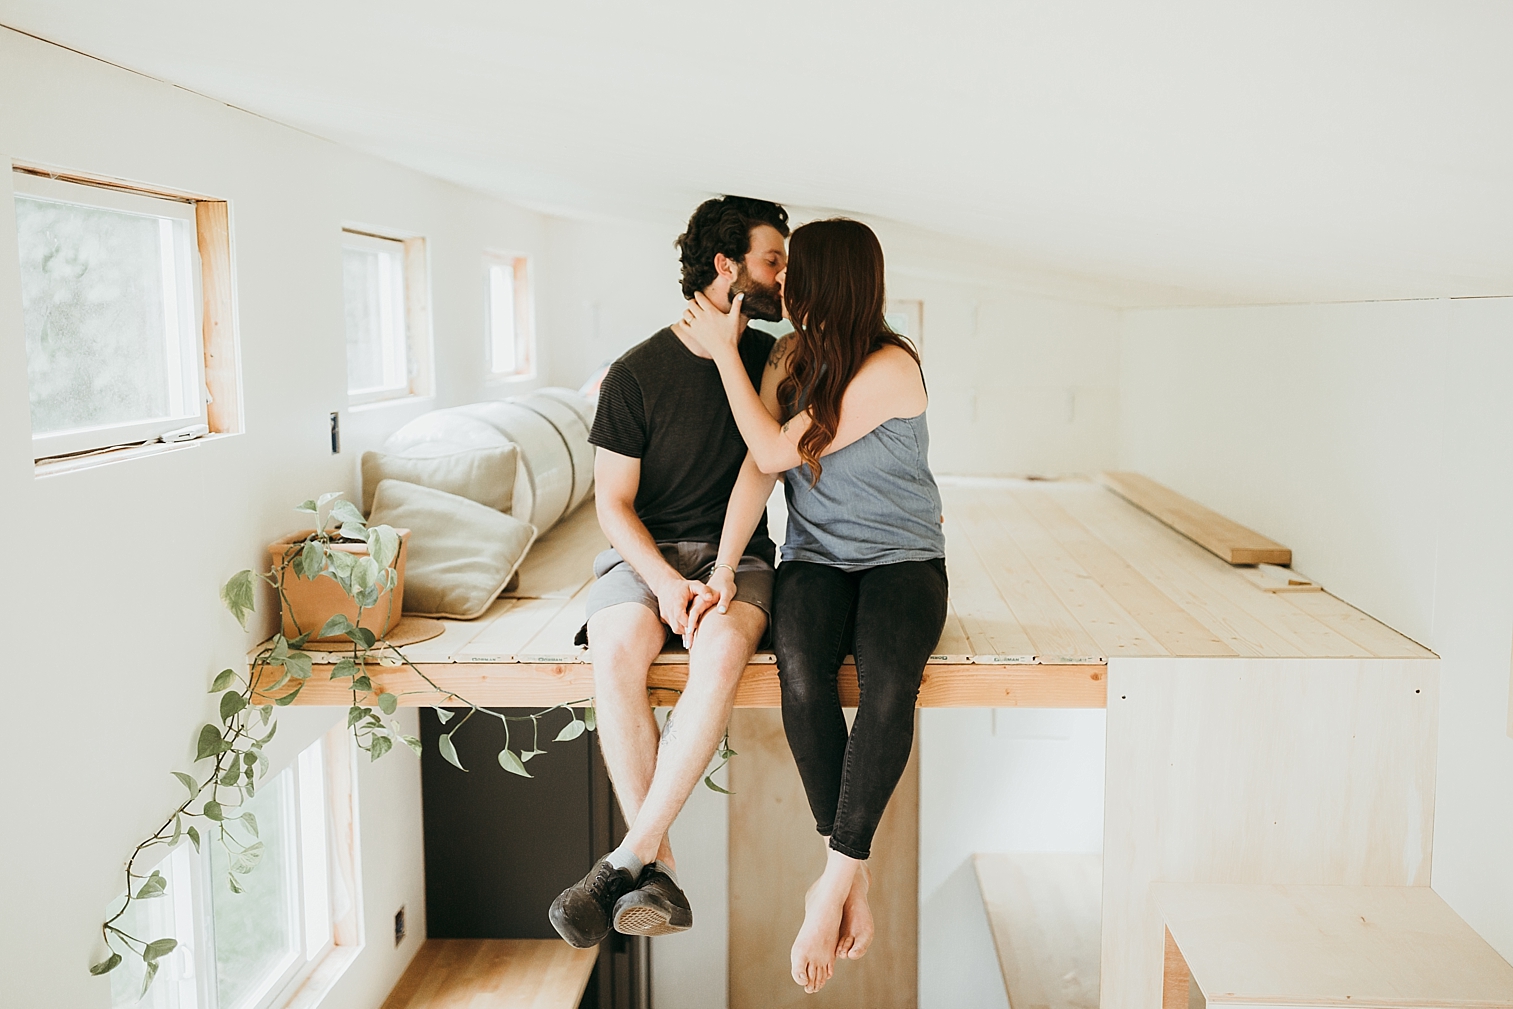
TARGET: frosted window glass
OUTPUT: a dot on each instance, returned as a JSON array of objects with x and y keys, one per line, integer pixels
[
  {"x": 256, "y": 931},
  {"x": 373, "y": 289},
  {"x": 100, "y": 304}
]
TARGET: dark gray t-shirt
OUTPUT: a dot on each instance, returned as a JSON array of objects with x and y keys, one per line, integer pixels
[{"x": 663, "y": 404}]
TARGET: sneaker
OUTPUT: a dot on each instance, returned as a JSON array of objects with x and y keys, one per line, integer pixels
[
  {"x": 655, "y": 907},
  {"x": 581, "y": 913}
]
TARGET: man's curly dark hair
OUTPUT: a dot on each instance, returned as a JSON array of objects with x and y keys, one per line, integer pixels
[{"x": 722, "y": 225}]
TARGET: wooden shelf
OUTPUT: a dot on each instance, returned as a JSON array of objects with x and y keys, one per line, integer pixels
[
  {"x": 1228, "y": 540},
  {"x": 498, "y": 973},
  {"x": 1049, "y": 580},
  {"x": 1370, "y": 947}
]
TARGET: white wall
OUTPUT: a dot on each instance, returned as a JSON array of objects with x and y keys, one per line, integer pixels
[
  {"x": 113, "y": 572},
  {"x": 1374, "y": 440}
]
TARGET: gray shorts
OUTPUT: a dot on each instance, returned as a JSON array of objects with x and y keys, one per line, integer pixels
[{"x": 617, "y": 582}]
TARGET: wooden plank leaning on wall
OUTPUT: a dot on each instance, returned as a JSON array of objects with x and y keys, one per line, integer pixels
[
  {"x": 212, "y": 222},
  {"x": 1227, "y": 539}
]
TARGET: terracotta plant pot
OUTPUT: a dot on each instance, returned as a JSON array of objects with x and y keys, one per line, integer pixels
[{"x": 309, "y": 603}]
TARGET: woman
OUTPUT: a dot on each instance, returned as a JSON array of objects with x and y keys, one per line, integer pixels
[{"x": 841, "y": 416}]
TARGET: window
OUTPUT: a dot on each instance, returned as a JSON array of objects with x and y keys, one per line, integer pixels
[
  {"x": 251, "y": 946},
  {"x": 387, "y": 322},
  {"x": 510, "y": 325},
  {"x": 114, "y": 291}
]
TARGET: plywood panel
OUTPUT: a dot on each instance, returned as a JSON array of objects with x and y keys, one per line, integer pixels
[
  {"x": 775, "y": 855},
  {"x": 991, "y": 627},
  {"x": 1044, "y": 911},
  {"x": 1368, "y": 946},
  {"x": 1314, "y": 771},
  {"x": 494, "y": 973},
  {"x": 1225, "y": 538}
]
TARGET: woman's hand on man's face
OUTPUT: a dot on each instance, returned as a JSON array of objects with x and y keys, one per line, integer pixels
[{"x": 716, "y": 331}]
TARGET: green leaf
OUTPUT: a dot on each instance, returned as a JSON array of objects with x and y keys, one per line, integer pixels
[
  {"x": 443, "y": 715},
  {"x": 380, "y": 746},
  {"x": 262, "y": 765},
  {"x": 330, "y": 495},
  {"x": 307, "y": 505},
  {"x": 288, "y": 698},
  {"x": 311, "y": 560},
  {"x": 150, "y": 972},
  {"x": 413, "y": 744},
  {"x": 572, "y": 730},
  {"x": 232, "y": 774},
  {"x": 231, "y": 882},
  {"x": 709, "y": 780},
  {"x": 237, "y": 595},
  {"x": 210, "y": 742},
  {"x": 299, "y": 642},
  {"x": 444, "y": 744},
  {"x": 589, "y": 719},
  {"x": 178, "y": 830},
  {"x": 155, "y": 886},
  {"x": 528, "y": 754},
  {"x": 338, "y": 624},
  {"x": 158, "y": 949},
  {"x": 277, "y": 684},
  {"x": 346, "y": 511},
  {"x": 383, "y": 545},
  {"x": 247, "y": 859},
  {"x": 279, "y": 651},
  {"x": 107, "y": 965},
  {"x": 362, "y": 636},
  {"x": 213, "y": 810},
  {"x": 299, "y": 665},
  {"x": 512, "y": 763},
  {"x": 223, "y": 680},
  {"x": 231, "y": 703},
  {"x": 249, "y": 758},
  {"x": 266, "y": 711},
  {"x": 355, "y": 714},
  {"x": 250, "y": 821},
  {"x": 344, "y": 669},
  {"x": 188, "y": 782},
  {"x": 354, "y": 531},
  {"x": 388, "y": 703},
  {"x": 367, "y": 597},
  {"x": 362, "y": 684},
  {"x": 194, "y": 837}
]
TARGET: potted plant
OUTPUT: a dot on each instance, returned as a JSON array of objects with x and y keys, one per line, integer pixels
[{"x": 339, "y": 568}]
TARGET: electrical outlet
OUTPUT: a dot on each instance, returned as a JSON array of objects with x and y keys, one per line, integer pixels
[
  {"x": 335, "y": 433},
  {"x": 399, "y": 926}
]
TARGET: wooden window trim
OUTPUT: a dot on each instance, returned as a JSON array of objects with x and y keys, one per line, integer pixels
[
  {"x": 218, "y": 328},
  {"x": 525, "y": 318},
  {"x": 417, "y": 281}
]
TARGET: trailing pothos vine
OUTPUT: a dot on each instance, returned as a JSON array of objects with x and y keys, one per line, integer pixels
[{"x": 232, "y": 752}]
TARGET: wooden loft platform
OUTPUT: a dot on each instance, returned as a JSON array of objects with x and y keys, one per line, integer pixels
[{"x": 1049, "y": 580}]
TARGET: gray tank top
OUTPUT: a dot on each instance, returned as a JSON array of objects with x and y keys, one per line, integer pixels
[{"x": 875, "y": 503}]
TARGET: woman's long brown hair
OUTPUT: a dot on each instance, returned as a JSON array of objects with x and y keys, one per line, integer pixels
[{"x": 835, "y": 299}]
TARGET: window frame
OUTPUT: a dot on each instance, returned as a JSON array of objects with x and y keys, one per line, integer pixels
[
  {"x": 519, "y": 266},
  {"x": 187, "y": 322},
  {"x": 420, "y": 366},
  {"x": 220, "y": 371}
]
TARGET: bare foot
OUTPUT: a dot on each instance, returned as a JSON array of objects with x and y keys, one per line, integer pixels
[
  {"x": 813, "y": 955},
  {"x": 856, "y": 918}
]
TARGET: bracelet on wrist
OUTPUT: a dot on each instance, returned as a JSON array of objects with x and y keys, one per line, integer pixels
[{"x": 717, "y": 567}]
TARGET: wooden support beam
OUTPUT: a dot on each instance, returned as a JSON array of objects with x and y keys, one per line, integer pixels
[
  {"x": 1226, "y": 539},
  {"x": 522, "y": 684}
]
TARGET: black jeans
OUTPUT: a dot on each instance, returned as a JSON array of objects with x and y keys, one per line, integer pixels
[{"x": 890, "y": 617}]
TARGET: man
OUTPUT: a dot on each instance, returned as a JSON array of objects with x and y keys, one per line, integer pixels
[{"x": 668, "y": 456}]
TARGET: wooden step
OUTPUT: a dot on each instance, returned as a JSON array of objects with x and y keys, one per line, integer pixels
[
  {"x": 1045, "y": 914},
  {"x": 1226, "y": 539},
  {"x": 1369, "y": 947},
  {"x": 494, "y": 974}
]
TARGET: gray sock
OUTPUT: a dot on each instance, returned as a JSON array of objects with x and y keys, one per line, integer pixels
[
  {"x": 667, "y": 869},
  {"x": 623, "y": 858}
]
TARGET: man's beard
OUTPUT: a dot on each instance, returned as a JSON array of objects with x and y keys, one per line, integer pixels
[{"x": 761, "y": 302}]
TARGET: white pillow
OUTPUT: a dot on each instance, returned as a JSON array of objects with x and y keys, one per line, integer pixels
[
  {"x": 485, "y": 475},
  {"x": 462, "y": 553}
]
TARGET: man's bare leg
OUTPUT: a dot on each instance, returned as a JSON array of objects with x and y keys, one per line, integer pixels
[
  {"x": 626, "y": 639},
  {"x": 721, "y": 649}
]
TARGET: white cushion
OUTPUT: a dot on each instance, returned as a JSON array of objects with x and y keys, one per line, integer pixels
[
  {"x": 462, "y": 553},
  {"x": 485, "y": 475}
]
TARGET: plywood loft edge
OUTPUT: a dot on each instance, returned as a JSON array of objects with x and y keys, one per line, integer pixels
[{"x": 1225, "y": 538}]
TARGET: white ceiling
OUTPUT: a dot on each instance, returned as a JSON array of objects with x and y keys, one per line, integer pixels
[{"x": 1260, "y": 152}]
